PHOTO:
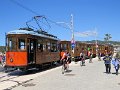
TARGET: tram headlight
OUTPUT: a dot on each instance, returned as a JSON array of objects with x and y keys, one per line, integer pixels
[{"x": 11, "y": 60}]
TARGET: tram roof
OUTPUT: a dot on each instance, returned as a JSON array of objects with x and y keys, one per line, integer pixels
[{"x": 32, "y": 33}]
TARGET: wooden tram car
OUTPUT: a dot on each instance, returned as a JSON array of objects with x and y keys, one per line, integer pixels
[
  {"x": 109, "y": 49},
  {"x": 79, "y": 47},
  {"x": 65, "y": 46},
  {"x": 85, "y": 48},
  {"x": 27, "y": 48}
]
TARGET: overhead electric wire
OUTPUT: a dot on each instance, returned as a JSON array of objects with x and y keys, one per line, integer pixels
[
  {"x": 30, "y": 10},
  {"x": 47, "y": 19},
  {"x": 24, "y": 7},
  {"x": 57, "y": 24}
]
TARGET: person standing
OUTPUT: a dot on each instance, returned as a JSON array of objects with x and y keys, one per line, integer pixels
[
  {"x": 90, "y": 57},
  {"x": 99, "y": 56},
  {"x": 116, "y": 64},
  {"x": 107, "y": 61},
  {"x": 3, "y": 60},
  {"x": 82, "y": 56},
  {"x": 0, "y": 58}
]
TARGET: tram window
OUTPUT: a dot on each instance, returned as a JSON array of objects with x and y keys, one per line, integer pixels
[
  {"x": 106, "y": 48},
  {"x": 21, "y": 44},
  {"x": 44, "y": 47},
  {"x": 53, "y": 47},
  {"x": 61, "y": 46},
  {"x": 48, "y": 46},
  {"x": 58, "y": 47},
  {"x": 40, "y": 47},
  {"x": 31, "y": 46},
  {"x": 65, "y": 46},
  {"x": 11, "y": 44}
]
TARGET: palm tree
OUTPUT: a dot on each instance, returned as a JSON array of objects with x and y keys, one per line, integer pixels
[{"x": 107, "y": 37}]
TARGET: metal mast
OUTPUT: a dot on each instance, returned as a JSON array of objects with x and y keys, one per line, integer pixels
[{"x": 72, "y": 30}]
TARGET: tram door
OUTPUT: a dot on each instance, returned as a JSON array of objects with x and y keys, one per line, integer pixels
[{"x": 31, "y": 51}]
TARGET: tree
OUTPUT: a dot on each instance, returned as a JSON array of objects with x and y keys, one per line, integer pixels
[{"x": 107, "y": 37}]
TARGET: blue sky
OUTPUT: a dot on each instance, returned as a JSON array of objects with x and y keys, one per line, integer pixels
[{"x": 89, "y": 15}]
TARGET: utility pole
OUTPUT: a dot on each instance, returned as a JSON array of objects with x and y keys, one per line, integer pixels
[
  {"x": 96, "y": 46},
  {"x": 70, "y": 26},
  {"x": 72, "y": 31},
  {"x": 96, "y": 43}
]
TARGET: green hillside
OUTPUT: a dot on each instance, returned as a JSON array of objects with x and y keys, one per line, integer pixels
[{"x": 2, "y": 49}]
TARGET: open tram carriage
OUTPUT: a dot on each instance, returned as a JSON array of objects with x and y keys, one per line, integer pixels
[{"x": 27, "y": 48}]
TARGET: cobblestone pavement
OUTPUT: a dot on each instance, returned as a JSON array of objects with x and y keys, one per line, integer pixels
[{"x": 89, "y": 77}]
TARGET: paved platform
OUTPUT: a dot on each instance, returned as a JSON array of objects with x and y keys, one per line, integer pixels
[{"x": 89, "y": 77}]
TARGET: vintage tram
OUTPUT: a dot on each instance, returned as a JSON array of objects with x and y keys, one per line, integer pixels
[
  {"x": 26, "y": 48},
  {"x": 79, "y": 47},
  {"x": 85, "y": 48}
]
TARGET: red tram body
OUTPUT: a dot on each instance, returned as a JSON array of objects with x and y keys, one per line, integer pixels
[{"x": 27, "y": 49}]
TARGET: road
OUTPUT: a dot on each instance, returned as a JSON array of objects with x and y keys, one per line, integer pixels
[{"x": 89, "y": 77}]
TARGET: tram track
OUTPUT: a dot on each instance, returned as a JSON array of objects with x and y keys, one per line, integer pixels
[
  {"x": 16, "y": 78},
  {"x": 7, "y": 77}
]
